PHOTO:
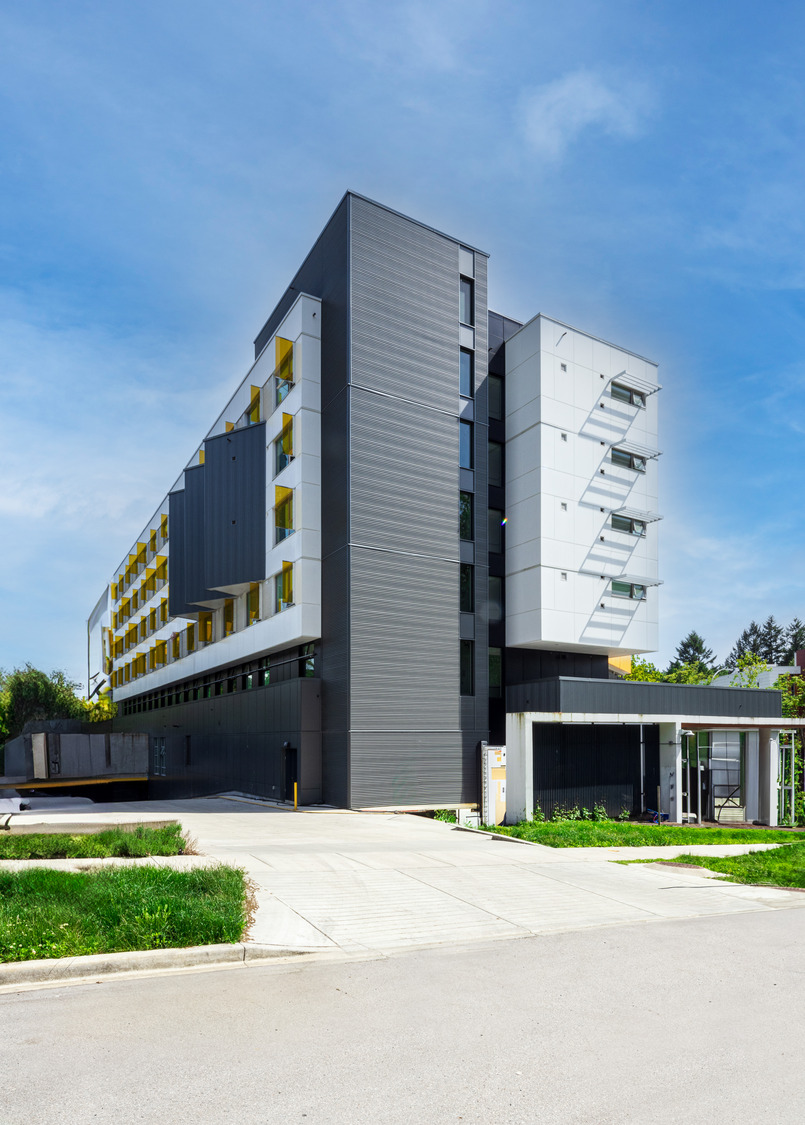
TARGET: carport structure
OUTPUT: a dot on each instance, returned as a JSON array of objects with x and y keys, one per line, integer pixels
[{"x": 706, "y": 753}]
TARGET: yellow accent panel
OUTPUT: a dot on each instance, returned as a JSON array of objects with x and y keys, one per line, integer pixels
[
  {"x": 201, "y": 457},
  {"x": 622, "y": 664},
  {"x": 282, "y": 349},
  {"x": 163, "y": 527},
  {"x": 229, "y": 427},
  {"x": 281, "y": 494}
]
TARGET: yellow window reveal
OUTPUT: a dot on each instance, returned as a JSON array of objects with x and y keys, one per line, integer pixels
[
  {"x": 205, "y": 628},
  {"x": 283, "y": 370},
  {"x": 253, "y": 603},
  {"x": 191, "y": 638},
  {"x": 283, "y": 513},
  {"x": 283, "y": 588},
  {"x": 229, "y": 617},
  {"x": 253, "y": 413}
]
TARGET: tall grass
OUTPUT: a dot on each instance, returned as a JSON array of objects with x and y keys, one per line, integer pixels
[
  {"x": 613, "y": 833},
  {"x": 127, "y": 842}
]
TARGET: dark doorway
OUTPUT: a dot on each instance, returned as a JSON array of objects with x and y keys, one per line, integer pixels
[
  {"x": 584, "y": 765},
  {"x": 289, "y": 754}
]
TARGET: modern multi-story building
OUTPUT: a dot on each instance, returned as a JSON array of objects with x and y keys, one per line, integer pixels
[{"x": 410, "y": 507}]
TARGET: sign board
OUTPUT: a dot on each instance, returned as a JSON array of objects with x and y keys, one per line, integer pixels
[{"x": 493, "y": 784}]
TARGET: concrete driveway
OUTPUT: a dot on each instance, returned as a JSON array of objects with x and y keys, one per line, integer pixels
[{"x": 376, "y": 883}]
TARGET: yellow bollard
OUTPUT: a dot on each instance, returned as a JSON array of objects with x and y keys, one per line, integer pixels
[{"x": 294, "y": 796}]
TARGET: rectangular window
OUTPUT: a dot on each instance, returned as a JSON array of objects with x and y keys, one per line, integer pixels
[
  {"x": 624, "y": 523},
  {"x": 253, "y": 603},
  {"x": 495, "y": 531},
  {"x": 626, "y": 394},
  {"x": 307, "y": 661},
  {"x": 628, "y": 460},
  {"x": 465, "y": 520},
  {"x": 283, "y": 371},
  {"x": 495, "y": 673},
  {"x": 229, "y": 617},
  {"x": 465, "y": 302},
  {"x": 494, "y": 385},
  {"x": 283, "y": 588},
  {"x": 467, "y": 668},
  {"x": 283, "y": 445},
  {"x": 495, "y": 599},
  {"x": 466, "y": 373},
  {"x": 628, "y": 590},
  {"x": 283, "y": 513},
  {"x": 176, "y": 647},
  {"x": 465, "y": 445},
  {"x": 152, "y": 621},
  {"x": 496, "y": 464},
  {"x": 160, "y": 757},
  {"x": 466, "y": 585},
  {"x": 205, "y": 628}
]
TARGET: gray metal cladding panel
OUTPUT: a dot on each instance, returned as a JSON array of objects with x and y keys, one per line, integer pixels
[
  {"x": 404, "y": 322},
  {"x": 405, "y": 643},
  {"x": 404, "y": 476},
  {"x": 628, "y": 697},
  {"x": 421, "y": 768},
  {"x": 335, "y": 641},
  {"x": 335, "y": 768},
  {"x": 196, "y": 589},
  {"x": 235, "y": 507},
  {"x": 335, "y": 478},
  {"x": 177, "y": 584}
]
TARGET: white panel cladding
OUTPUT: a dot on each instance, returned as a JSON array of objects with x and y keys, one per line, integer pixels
[{"x": 561, "y": 488}]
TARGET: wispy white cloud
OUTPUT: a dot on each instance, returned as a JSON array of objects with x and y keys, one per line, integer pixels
[{"x": 555, "y": 115}]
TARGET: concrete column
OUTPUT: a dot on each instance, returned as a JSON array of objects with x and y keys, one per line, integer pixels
[
  {"x": 670, "y": 771},
  {"x": 768, "y": 767},
  {"x": 519, "y": 767},
  {"x": 751, "y": 776}
]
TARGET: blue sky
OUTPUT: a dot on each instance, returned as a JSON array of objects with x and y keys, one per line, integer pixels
[{"x": 636, "y": 169}]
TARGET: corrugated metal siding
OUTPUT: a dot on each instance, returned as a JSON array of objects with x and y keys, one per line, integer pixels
[
  {"x": 420, "y": 767},
  {"x": 195, "y": 536},
  {"x": 235, "y": 507},
  {"x": 177, "y": 581},
  {"x": 404, "y": 473},
  {"x": 405, "y": 643},
  {"x": 627, "y": 697},
  {"x": 404, "y": 327}
]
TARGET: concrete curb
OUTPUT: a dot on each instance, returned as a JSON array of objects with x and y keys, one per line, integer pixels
[{"x": 47, "y": 971}]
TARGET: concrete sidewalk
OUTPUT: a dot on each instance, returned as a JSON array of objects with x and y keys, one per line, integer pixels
[{"x": 375, "y": 883}]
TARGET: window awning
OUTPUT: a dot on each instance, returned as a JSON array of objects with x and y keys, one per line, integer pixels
[
  {"x": 636, "y": 580},
  {"x": 636, "y": 514},
  {"x": 635, "y": 383},
  {"x": 636, "y": 448}
]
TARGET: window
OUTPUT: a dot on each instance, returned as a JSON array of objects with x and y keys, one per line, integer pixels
[
  {"x": 283, "y": 513},
  {"x": 495, "y": 599},
  {"x": 229, "y": 617},
  {"x": 495, "y": 673},
  {"x": 495, "y": 530},
  {"x": 624, "y": 523},
  {"x": 467, "y": 668},
  {"x": 283, "y": 588},
  {"x": 283, "y": 445},
  {"x": 307, "y": 662},
  {"x": 465, "y": 302},
  {"x": 176, "y": 647},
  {"x": 496, "y": 464},
  {"x": 160, "y": 757},
  {"x": 465, "y": 521},
  {"x": 466, "y": 583},
  {"x": 466, "y": 372},
  {"x": 494, "y": 386},
  {"x": 283, "y": 371},
  {"x": 205, "y": 628},
  {"x": 628, "y": 590},
  {"x": 465, "y": 445},
  {"x": 253, "y": 603},
  {"x": 628, "y": 460},
  {"x": 626, "y": 394},
  {"x": 253, "y": 412}
]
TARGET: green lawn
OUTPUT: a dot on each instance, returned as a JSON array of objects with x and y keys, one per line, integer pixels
[
  {"x": 611, "y": 833},
  {"x": 782, "y": 867},
  {"x": 49, "y": 913},
  {"x": 130, "y": 842}
]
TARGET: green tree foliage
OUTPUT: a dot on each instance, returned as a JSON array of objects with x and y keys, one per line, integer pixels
[
  {"x": 680, "y": 674},
  {"x": 644, "y": 670},
  {"x": 794, "y": 640},
  {"x": 747, "y": 670},
  {"x": 28, "y": 694},
  {"x": 750, "y": 640},
  {"x": 692, "y": 650}
]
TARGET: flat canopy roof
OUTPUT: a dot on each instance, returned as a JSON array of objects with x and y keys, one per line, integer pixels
[{"x": 693, "y": 722}]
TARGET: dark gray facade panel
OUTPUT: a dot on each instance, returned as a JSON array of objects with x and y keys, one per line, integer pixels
[
  {"x": 404, "y": 476},
  {"x": 235, "y": 739},
  {"x": 335, "y": 636},
  {"x": 235, "y": 507},
  {"x": 418, "y": 768},
  {"x": 335, "y": 768},
  {"x": 404, "y": 660},
  {"x": 177, "y": 579},
  {"x": 631, "y": 697},
  {"x": 404, "y": 330},
  {"x": 195, "y": 535}
]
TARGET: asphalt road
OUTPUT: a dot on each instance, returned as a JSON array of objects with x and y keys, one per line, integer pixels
[{"x": 691, "y": 1020}]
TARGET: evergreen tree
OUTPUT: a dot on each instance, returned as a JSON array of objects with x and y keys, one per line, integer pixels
[
  {"x": 692, "y": 650},
  {"x": 750, "y": 641},
  {"x": 772, "y": 645},
  {"x": 794, "y": 641}
]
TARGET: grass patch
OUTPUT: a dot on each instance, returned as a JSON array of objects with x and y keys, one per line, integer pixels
[
  {"x": 782, "y": 867},
  {"x": 614, "y": 833},
  {"x": 49, "y": 913},
  {"x": 125, "y": 842}
]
